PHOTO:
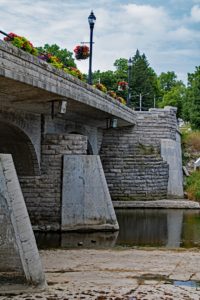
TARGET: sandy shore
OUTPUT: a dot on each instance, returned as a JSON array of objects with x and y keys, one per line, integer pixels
[{"x": 118, "y": 274}]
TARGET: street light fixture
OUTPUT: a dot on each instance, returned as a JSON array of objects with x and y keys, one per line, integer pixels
[
  {"x": 130, "y": 63},
  {"x": 91, "y": 21}
]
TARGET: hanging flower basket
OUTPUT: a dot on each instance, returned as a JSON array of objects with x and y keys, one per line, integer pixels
[
  {"x": 122, "y": 85},
  {"x": 82, "y": 52}
]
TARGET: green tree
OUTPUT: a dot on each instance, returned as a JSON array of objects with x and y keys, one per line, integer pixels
[
  {"x": 143, "y": 82},
  {"x": 167, "y": 81},
  {"x": 174, "y": 97},
  {"x": 108, "y": 78},
  {"x": 111, "y": 78},
  {"x": 192, "y": 105},
  {"x": 65, "y": 56},
  {"x": 121, "y": 66}
]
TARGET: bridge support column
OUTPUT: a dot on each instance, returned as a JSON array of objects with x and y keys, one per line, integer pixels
[
  {"x": 86, "y": 202},
  {"x": 18, "y": 251}
]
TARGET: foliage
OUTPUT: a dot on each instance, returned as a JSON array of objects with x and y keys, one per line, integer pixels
[
  {"x": 143, "y": 82},
  {"x": 191, "y": 139},
  {"x": 121, "y": 66},
  {"x": 111, "y": 78},
  {"x": 107, "y": 78},
  {"x": 100, "y": 87},
  {"x": 74, "y": 72},
  {"x": 193, "y": 186},
  {"x": 22, "y": 43},
  {"x": 192, "y": 107},
  {"x": 82, "y": 52},
  {"x": 167, "y": 81},
  {"x": 174, "y": 97},
  {"x": 112, "y": 94},
  {"x": 55, "y": 61},
  {"x": 65, "y": 56},
  {"x": 121, "y": 100}
]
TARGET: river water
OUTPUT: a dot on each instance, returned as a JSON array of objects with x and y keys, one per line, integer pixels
[{"x": 168, "y": 228}]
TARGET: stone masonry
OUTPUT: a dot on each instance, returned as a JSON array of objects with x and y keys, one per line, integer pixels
[
  {"x": 43, "y": 193},
  {"x": 131, "y": 157}
]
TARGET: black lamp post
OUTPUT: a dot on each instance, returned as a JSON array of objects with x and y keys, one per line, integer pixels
[
  {"x": 130, "y": 63},
  {"x": 91, "y": 20}
]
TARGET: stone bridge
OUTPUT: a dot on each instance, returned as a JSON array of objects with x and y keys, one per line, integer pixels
[{"x": 59, "y": 156}]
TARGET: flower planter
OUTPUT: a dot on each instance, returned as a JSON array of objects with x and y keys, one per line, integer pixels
[
  {"x": 122, "y": 85},
  {"x": 81, "y": 52}
]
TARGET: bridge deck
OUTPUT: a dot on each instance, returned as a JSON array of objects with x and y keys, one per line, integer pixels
[{"x": 31, "y": 84}]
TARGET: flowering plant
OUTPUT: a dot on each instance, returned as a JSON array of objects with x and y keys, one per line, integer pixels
[
  {"x": 121, "y": 100},
  {"x": 52, "y": 59},
  {"x": 100, "y": 87},
  {"x": 82, "y": 52},
  {"x": 21, "y": 42},
  {"x": 112, "y": 94},
  {"x": 122, "y": 85},
  {"x": 74, "y": 72},
  {"x": 10, "y": 37}
]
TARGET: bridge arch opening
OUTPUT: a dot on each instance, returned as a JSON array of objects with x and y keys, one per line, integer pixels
[{"x": 14, "y": 141}]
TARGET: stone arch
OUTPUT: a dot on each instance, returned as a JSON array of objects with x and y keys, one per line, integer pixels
[{"x": 14, "y": 141}]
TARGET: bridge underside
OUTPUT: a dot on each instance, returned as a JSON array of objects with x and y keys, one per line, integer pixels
[{"x": 32, "y": 99}]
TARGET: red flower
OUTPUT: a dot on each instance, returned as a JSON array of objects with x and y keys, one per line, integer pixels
[
  {"x": 82, "y": 52},
  {"x": 10, "y": 37}
]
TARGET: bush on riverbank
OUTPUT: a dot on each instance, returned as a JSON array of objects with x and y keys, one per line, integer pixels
[
  {"x": 191, "y": 152},
  {"x": 190, "y": 148},
  {"x": 193, "y": 186}
]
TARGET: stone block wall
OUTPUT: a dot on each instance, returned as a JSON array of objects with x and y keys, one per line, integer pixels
[
  {"x": 131, "y": 158},
  {"x": 43, "y": 193}
]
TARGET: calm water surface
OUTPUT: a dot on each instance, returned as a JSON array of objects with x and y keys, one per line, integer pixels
[{"x": 138, "y": 227}]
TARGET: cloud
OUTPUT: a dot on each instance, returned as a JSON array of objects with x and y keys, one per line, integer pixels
[
  {"x": 121, "y": 28},
  {"x": 195, "y": 13}
]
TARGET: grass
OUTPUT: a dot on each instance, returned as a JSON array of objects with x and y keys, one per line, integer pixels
[{"x": 193, "y": 186}]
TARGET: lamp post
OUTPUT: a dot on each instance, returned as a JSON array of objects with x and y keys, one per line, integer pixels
[
  {"x": 91, "y": 21},
  {"x": 140, "y": 97},
  {"x": 130, "y": 63}
]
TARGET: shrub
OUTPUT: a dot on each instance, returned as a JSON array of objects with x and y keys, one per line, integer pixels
[
  {"x": 193, "y": 186},
  {"x": 192, "y": 140}
]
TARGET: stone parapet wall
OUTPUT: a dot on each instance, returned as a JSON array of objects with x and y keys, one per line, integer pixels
[
  {"x": 22, "y": 67},
  {"x": 131, "y": 158},
  {"x": 43, "y": 193}
]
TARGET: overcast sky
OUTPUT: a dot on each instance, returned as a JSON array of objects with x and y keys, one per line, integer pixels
[{"x": 167, "y": 31}]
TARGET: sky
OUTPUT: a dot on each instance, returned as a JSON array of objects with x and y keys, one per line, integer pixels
[{"x": 167, "y": 31}]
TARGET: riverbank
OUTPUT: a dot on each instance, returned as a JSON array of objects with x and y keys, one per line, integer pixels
[
  {"x": 165, "y": 203},
  {"x": 119, "y": 274}
]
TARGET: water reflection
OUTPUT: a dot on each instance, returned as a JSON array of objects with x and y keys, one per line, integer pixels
[
  {"x": 159, "y": 227},
  {"x": 138, "y": 227},
  {"x": 76, "y": 239}
]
